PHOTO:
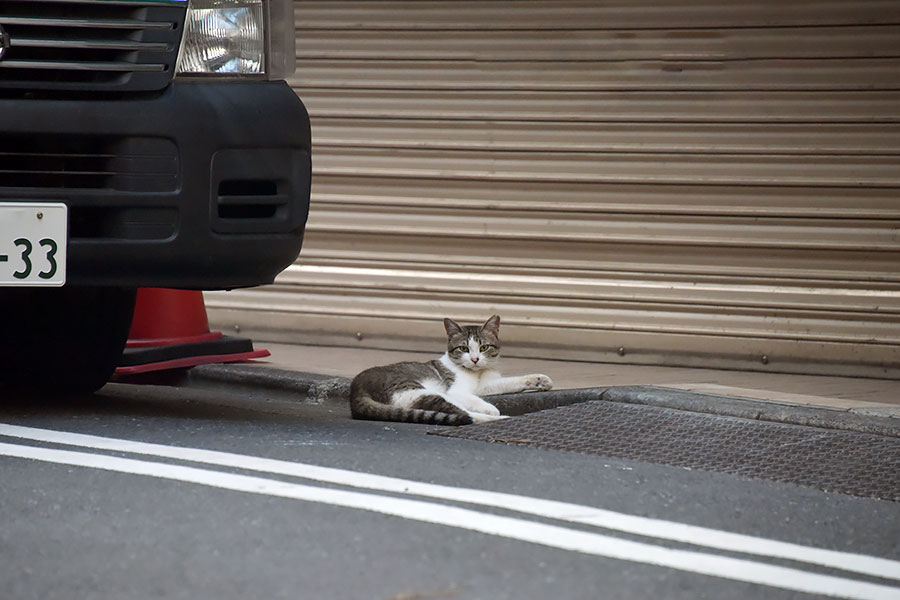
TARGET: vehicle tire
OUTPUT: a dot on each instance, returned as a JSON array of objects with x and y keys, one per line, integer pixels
[{"x": 66, "y": 339}]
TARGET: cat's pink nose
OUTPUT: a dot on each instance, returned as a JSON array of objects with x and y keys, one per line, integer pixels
[{"x": 474, "y": 359}]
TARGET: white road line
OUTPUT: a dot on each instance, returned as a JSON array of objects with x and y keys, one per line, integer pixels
[
  {"x": 518, "y": 529},
  {"x": 564, "y": 511}
]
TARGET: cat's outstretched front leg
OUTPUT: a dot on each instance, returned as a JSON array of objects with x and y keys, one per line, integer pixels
[{"x": 512, "y": 385}]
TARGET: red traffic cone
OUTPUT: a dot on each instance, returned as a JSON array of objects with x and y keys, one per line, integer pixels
[{"x": 170, "y": 331}]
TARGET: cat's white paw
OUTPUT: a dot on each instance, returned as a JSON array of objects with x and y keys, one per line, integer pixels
[
  {"x": 489, "y": 409},
  {"x": 483, "y": 418},
  {"x": 538, "y": 382}
]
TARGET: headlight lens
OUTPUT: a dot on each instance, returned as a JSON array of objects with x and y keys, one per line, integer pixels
[{"x": 225, "y": 37}]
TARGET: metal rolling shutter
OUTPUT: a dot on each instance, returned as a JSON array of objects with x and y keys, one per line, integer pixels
[{"x": 672, "y": 182}]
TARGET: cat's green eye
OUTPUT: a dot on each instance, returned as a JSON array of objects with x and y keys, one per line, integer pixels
[
  {"x": 462, "y": 349},
  {"x": 486, "y": 347}
]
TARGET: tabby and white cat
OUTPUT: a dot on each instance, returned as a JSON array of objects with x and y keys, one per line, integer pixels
[{"x": 444, "y": 391}]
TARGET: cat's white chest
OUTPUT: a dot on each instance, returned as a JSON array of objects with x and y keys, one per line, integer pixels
[{"x": 465, "y": 382}]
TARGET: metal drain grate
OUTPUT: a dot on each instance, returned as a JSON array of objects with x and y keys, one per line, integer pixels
[{"x": 858, "y": 464}]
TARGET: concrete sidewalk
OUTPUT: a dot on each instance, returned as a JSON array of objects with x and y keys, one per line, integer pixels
[
  {"x": 322, "y": 373},
  {"x": 866, "y": 396}
]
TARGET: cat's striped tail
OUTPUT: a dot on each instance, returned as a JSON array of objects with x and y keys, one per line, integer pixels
[{"x": 434, "y": 411}]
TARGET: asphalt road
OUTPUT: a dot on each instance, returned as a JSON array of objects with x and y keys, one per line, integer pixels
[{"x": 86, "y": 517}]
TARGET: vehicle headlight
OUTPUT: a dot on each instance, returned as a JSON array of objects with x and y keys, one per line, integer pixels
[{"x": 238, "y": 38}]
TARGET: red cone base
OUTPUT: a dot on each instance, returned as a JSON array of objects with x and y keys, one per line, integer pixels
[{"x": 170, "y": 331}]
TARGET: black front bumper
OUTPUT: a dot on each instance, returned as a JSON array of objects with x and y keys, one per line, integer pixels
[{"x": 203, "y": 186}]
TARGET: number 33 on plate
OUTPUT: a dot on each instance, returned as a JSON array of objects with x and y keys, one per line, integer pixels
[{"x": 33, "y": 239}]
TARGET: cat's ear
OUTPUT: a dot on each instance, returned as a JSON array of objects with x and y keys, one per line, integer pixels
[
  {"x": 492, "y": 326},
  {"x": 452, "y": 327}
]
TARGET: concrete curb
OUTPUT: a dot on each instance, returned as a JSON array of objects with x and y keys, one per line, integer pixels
[
  {"x": 311, "y": 387},
  {"x": 319, "y": 389},
  {"x": 752, "y": 408}
]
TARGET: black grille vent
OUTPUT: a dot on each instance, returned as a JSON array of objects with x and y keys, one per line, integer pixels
[
  {"x": 251, "y": 190},
  {"x": 89, "y": 45},
  {"x": 88, "y": 162}
]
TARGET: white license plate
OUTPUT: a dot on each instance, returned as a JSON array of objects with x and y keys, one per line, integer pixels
[{"x": 33, "y": 240}]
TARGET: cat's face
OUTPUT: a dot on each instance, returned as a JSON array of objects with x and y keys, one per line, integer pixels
[{"x": 474, "y": 348}]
